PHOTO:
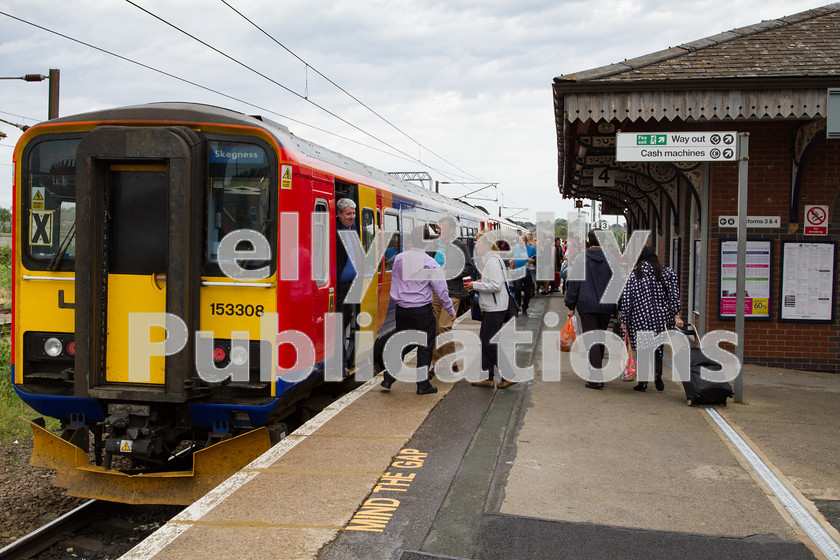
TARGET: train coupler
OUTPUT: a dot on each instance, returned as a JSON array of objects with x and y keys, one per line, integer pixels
[{"x": 129, "y": 433}]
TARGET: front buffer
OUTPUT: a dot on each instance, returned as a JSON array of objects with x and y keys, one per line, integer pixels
[{"x": 211, "y": 466}]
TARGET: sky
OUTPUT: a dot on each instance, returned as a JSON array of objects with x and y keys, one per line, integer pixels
[{"x": 460, "y": 89}]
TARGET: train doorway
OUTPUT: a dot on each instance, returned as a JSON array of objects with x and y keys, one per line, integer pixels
[{"x": 138, "y": 251}]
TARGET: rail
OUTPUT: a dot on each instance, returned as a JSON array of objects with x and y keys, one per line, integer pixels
[{"x": 44, "y": 537}]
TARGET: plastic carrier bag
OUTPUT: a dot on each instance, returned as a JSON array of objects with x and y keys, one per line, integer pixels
[
  {"x": 567, "y": 335},
  {"x": 628, "y": 362}
]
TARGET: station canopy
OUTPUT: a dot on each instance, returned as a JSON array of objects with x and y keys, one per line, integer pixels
[{"x": 776, "y": 69}]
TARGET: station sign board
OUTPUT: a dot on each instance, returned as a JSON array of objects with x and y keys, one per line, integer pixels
[
  {"x": 676, "y": 146},
  {"x": 752, "y": 221}
]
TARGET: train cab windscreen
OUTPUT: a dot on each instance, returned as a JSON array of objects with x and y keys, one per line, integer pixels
[
  {"x": 239, "y": 186},
  {"x": 49, "y": 204}
]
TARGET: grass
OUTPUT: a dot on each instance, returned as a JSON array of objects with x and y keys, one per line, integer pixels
[
  {"x": 11, "y": 407},
  {"x": 5, "y": 275},
  {"x": 12, "y": 427}
]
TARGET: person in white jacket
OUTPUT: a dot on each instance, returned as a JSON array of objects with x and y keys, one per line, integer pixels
[{"x": 493, "y": 301}]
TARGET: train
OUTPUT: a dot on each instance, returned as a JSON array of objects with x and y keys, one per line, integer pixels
[{"x": 125, "y": 216}]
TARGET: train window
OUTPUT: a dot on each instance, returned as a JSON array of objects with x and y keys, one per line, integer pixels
[
  {"x": 320, "y": 242},
  {"x": 392, "y": 223},
  {"x": 431, "y": 232},
  {"x": 239, "y": 180},
  {"x": 407, "y": 228},
  {"x": 378, "y": 229},
  {"x": 49, "y": 203},
  {"x": 368, "y": 228}
]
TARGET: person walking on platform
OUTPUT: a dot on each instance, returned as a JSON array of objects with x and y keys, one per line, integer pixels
[
  {"x": 585, "y": 297},
  {"x": 415, "y": 277},
  {"x": 449, "y": 254},
  {"x": 525, "y": 256},
  {"x": 558, "y": 264},
  {"x": 545, "y": 254},
  {"x": 493, "y": 301},
  {"x": 650, "y": 302}
]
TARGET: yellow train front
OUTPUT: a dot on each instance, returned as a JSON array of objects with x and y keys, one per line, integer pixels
[{"x": 120, "y": 299}]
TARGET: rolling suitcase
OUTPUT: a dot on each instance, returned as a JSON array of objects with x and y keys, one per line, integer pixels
[{"x": 699, "y": 391}]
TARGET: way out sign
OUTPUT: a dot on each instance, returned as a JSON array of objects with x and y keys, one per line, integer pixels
[
  {"x": 816, "y": 220},
  {"x": 676, "y": 146}
]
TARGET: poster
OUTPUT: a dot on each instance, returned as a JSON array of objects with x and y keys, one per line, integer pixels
[
  {"x": 807, "y": 291},
  {"x": 759, "y": 272}
]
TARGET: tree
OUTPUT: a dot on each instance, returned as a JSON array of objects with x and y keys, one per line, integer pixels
[{"x": 5, "y": 220}]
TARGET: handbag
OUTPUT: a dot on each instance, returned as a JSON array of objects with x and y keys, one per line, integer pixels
[
  {"x": 513, "y": 307},
  {"x": 628, "y": 372},
  {"x": 475, "y": 309}
]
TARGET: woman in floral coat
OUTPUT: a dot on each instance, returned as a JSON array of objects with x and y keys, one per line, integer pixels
[{"x": 650, "y": 302}]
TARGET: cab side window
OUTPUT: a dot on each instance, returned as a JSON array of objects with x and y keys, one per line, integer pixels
[
  {"x": 368, "y": 228},
  {"x": 321, "y": 243}
]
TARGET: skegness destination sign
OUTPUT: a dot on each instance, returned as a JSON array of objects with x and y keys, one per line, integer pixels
[{"x": 676, "y": 146}]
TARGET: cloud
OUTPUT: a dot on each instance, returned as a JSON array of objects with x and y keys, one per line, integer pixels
[{"x": 468, "y": 79}]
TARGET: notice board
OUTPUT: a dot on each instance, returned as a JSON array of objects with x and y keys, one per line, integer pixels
[
  {"x": 759, "y": 274},
  {"x": 807, "y": 282}
]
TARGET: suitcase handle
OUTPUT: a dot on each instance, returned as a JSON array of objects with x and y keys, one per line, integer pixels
[{"x": 688, "y": 330}]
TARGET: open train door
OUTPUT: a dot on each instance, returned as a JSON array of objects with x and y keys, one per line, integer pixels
[
  {"x": 366, "y": 214},
  {"x": 138, "y": 252}
]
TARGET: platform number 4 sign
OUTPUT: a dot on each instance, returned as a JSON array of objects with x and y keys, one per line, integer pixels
[{"x": 603, "y": 177}]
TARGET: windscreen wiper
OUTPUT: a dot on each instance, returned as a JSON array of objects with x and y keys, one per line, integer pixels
[{"x": 62, "y": 248}]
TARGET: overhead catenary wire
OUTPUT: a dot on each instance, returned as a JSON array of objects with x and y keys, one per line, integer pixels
[
  {"x": 19, "y": 116},
  {"x": 353, "y": 97},
  {"x": 399, "y": 155},
  {"x": 272, "y": 80},
  {"x": 211, "y": 90}
]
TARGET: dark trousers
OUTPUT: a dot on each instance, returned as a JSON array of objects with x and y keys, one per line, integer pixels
[
  {"x": 657, "y": 363},
  {"x": 595, "y": 322},
  {"x": 421, "y": 319},
  {"x": 491, "y": 323},
  {"x": 524, "y": 289},
  {"x": 348, "y": 316}
]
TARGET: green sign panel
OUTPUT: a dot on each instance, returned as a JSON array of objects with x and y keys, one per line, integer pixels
[{"x": 651, "y": 139}]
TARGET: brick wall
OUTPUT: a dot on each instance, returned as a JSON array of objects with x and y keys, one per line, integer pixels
[{"x": 808, "y": 346}]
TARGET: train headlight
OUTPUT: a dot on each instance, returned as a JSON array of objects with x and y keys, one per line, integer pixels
[
  {"x": 238, "y": 355},
  {"x": 52, "y": 347}
]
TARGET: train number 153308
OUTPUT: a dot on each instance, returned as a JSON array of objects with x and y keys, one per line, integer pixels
[{"x": 237, "y": 309}]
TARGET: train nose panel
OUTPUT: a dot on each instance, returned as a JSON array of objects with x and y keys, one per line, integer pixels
[{"x": 211, "y": 466}]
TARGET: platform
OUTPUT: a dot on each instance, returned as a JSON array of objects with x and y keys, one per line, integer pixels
[{"x": 539, "y": 470}]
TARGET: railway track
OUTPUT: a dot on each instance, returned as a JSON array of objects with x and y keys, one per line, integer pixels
[
  {"x": 91, "y": 530},
  {"x": 44, "y": 537}
]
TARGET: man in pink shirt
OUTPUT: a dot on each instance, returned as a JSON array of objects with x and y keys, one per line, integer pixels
[{"x": 414, "y": 277}]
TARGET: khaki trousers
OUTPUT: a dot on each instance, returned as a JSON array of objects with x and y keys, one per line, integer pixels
[{"x": 444, "y": 323}]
